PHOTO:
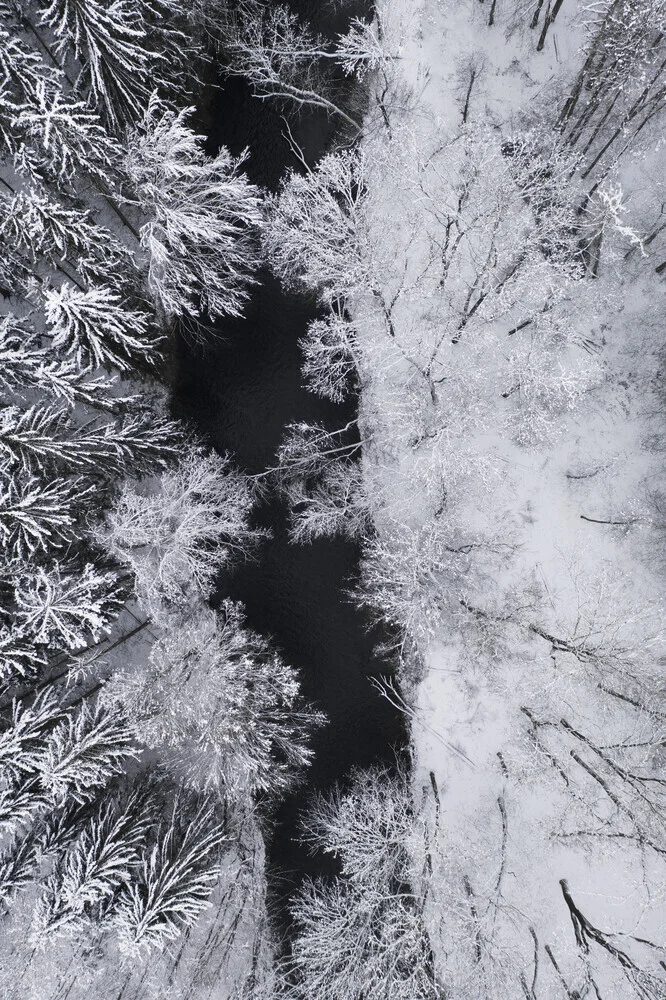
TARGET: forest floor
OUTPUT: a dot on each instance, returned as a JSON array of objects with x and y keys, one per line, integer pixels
[{"x": 521, "y": 713}]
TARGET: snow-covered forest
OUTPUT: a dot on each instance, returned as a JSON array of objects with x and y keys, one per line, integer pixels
[{"x": 485, "y": 239}]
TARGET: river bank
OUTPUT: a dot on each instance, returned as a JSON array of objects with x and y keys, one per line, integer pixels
[{"x": 241, "y": 391}]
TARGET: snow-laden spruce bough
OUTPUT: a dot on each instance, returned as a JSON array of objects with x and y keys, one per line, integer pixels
[
  {"x": 489, "y": 262},
  {"x": 137, "y": 724}
]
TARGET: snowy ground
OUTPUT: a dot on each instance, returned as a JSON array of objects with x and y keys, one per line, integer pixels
[{"x": 536, "y": 712}]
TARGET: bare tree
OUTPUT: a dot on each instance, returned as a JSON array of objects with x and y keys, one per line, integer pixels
[{"x": 176, "y": 537}]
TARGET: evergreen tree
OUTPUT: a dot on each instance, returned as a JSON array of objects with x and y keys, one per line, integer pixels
[
  {"x": 68, "y": 607},
  {"x": 23, "y": 740},
  {"x": 98, "y": 863},
  {"x": 97, "y": 328},
  {"x": 37, "y": 517},
  {"x": 175, "y": 881},
  {"x": 108, "y": 42},
  {"x": 18, "y": 657},
  {"x": 65, "y": 137},
  {"x": 17, "y": 866},
  {"x": 53, "y": 235},
  {"x": 26, "y": 367},
  {"x": 21, "y": 802},
  {"x": 83, "y": 752}
]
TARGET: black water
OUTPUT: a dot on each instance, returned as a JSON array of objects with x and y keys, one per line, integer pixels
[{"x": 241, "y": 391}]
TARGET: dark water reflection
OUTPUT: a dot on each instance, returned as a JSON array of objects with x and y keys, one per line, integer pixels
[{"x": 241, "y": 391}]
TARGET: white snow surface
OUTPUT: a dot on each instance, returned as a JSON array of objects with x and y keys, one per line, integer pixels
[{"x": 508, "y": 829}]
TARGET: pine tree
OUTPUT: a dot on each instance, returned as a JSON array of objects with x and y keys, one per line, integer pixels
[
  {"x": 20, "y": 803},
  {"x": 26, "y": 367},
  {"x": 83, "y": 752},
  {"x": 22, "y": 72},
  {"x": 65, "y": 136},
  {"x": 50, "y": 232},
  {"x": 23, "y": 740},
  {"x": 18, "y": 657},
  {"x": 203, "y": 217},
  {"x": 43, "y": 437},
  {"x": 21, "y": 68},
  {"x": 97, "y": 328},
  {"x": 108, "y": 41},
  {"x": 99, "y": 861},
  {"x": 17, "y": 866},
  {"x": 174, "y": 883},
  {"x": 37, "y": 517},
  {"x": 68, "y": 607}
]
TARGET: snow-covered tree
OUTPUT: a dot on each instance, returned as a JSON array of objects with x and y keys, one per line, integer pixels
[
  {"x": 83, "y": 752},
  {"x": 18, "y": 657},
  {"x": 25, "y": 733},
  {"x": 17, "y": 866},
  {"x": 361, "y": 50},
  {"x": 25, "y": 367},
  {"x": 222, "y": 708},
  {"x": 282, "y": 58},
  {"x": 98, "y": 328},
  {"x": 65, "y": 136},
  {"x": 123, "y": 51},
  {"x": 619, "y": 88},
  {"x": 203, "y": 216},
  {"x": 333, "y": 503},
  {"x": 99, "y": 862},
  {"x": 543, "y": 386},
  {"x": 21, "y": 801},
  {"x": 331, "y": 354},
  {"x": 68, "y": 607},
  {"x": 38, "y": 517},
  {"x": 69, "y": 239},
  {"x": 22, "y": 67},
  {"x": 44, "y": 437},
  {"x": 413, "y": 577},
  {"x": 108, "y": 42},
  {"x": 176, "y": 539},
  {"x": 363, "y": 935},
  {"x": 315, "y": 235},
  {"x": 175, "y": 880}
]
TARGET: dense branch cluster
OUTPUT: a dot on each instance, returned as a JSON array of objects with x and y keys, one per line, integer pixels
[
  {"x": 116, "y": 788},
  {"x": 476, "y": 333}
]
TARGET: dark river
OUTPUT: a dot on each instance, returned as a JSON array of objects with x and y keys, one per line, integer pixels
[{"x": 241, "y": 391}]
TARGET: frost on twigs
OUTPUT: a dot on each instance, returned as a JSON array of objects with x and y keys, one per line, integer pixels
[
  {"x": 363, "y": 934},
  {"x": 321, "y": 479},
  {"x": 221, "y": 707},
  {"x": 315, "y": 235},
  {"x": 329, "y": 350},
  {"x": 332, "y": 503},
  {"x": 361, "y": 50},
  {"x": 176, "y": 539},
  {"x": 203, "y": 216},
  {"x": 283, "y": 59}
]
